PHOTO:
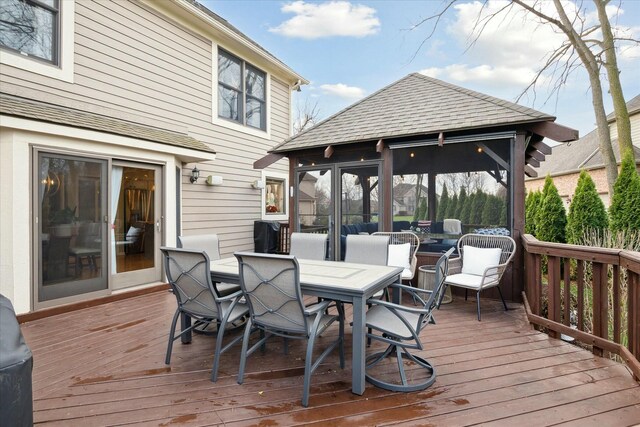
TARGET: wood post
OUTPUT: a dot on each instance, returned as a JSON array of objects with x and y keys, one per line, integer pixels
[{"x": 554, "y": 292}]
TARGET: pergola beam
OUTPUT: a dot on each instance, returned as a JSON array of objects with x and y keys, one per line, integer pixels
[
  {"x": 493, "y": 155},
  {"x": 553, "y": 131},
  {"x": 542, "y": 147},
  {"x": 328, "y": 152},
  {"x": 267, "y": 160},
  {"x": 530, "y": 172}
]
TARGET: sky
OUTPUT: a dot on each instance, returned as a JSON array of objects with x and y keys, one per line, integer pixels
[{"x": 349, "y": 50}]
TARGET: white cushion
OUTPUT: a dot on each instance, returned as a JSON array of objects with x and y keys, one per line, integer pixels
[
  {"x": 477, "y": 260},
  {"x": 399, "y": 256},
  {"x": 470, "y": 281}
]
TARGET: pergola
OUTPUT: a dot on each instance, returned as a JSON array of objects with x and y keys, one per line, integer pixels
[{"x": 421, "y": 125}]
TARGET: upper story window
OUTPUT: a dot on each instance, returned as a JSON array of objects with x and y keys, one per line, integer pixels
[
  {"x": 241, "y": 91},
  {"x": 31, "y": 27}
]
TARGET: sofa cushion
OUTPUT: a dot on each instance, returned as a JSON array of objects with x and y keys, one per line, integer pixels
[{"x": 372, "y": 227}]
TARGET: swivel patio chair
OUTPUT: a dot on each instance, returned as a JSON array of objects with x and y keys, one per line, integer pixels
[
  {"x": 403, "y": 247},
  {"x": 211, "y": 245},
  {"x": 271, "y": 285},
  {"x": 308, "y": 246},
  {"x": 189, "y": 275},
  {"x": 482, "y": 262},
  {"x": 400, "y": 326}
]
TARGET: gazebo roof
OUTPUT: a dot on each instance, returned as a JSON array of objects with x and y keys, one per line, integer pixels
[{"x": 414, "y": 105}]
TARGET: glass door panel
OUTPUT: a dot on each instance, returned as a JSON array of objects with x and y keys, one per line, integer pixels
[
  {"x": 359, "y": 201},
  {"x": 136, "y": 216},
  {"x": 70, "y": 225},
  {"x": 315, "y": 204}
]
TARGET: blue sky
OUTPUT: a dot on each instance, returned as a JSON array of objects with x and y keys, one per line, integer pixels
[{"x": 348, "y": 50}]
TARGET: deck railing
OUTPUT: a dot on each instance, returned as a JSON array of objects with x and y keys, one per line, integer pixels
[{"x": 582, "y": 296}]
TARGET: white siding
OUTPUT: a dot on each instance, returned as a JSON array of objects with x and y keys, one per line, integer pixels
[{"x": 134, "y": 64}]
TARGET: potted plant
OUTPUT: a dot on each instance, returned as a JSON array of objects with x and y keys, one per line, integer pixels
[{"x": 61, "y": 221}]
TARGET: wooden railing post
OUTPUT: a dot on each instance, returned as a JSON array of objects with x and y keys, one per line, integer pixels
[
  {"x": 600, "y": 304},
  {"x": 633, "y": 315},
  {"x": 554, "y": 291}
]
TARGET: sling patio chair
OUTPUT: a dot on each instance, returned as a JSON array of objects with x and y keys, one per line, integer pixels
[
  {"x": 189, "y": 275},
  {"x": 400, "y": 326},
  {"x": 271, "y": 285},
  {"x": 482, "y": 262},
  {"x": 308, "y": 246}
]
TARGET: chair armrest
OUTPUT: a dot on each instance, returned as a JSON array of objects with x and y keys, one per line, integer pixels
[
  {"x": 492, "y": 275},
  {"x": 396, "y": 307},
  {"x": 319, "y": 307},
  {"x": 231, "y": 297}
]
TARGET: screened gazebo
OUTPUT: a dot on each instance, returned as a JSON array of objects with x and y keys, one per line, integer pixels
[{"x": 423, "y": 131}]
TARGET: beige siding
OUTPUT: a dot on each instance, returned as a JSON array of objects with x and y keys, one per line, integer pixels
[
  {"x": 133, "y": 63},
  {"x": 635, "y": 129}
]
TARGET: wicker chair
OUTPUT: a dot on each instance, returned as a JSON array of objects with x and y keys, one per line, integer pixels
[
  {"x": 482, "y": 262},
  {"x": 271, "y": 285},
  {"x": 189, "y": 275},
  {"x": 399, "y": 326},
  {"x": 401, "y": 238}
]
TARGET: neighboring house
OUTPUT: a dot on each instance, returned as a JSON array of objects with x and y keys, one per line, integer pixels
[
  {"x": 307, "y": 200},
  {"x": 106, "y": 112},
  {"x": 404, "y": 198},
  {"x": 567, "y": 160}
]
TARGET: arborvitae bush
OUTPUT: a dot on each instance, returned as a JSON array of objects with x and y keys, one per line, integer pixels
[
  {"x": 422, "y": 209},
  {"x": 476, "y": 208},
  {"x": 586, "y": 210},
  {"x": 465, "y": 213},
  {"x": 462, "y": 198},
  {"x": 619, "y": 216},
  {"x": 633, "y": 205},
  {"x": 532, "y": 204},
  {"x": 491, "y": 210},
  {"x": 443, "y": 205},
  {"x": 452, "y": 207},
  {"x": 503, "y": 212},
  {"x": 551, "y": 221}
]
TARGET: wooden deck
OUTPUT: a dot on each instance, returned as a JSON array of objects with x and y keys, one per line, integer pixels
[{"x": 105, "y": 366}]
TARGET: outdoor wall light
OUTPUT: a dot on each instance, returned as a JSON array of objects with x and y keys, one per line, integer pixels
[
  {"x": 258, "y": 184},
  {"x": 214, "y": 180},
  {"x": 195, "y": 174}
]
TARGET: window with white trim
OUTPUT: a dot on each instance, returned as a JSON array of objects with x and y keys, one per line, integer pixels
[
  {"x": 241, "y": 91},
  {"x": 32, "y": 28}
]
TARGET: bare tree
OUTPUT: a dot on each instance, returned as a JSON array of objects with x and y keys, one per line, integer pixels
[
  {"x": 306, "y": 115},
  {"x": 580, "y": 49}
]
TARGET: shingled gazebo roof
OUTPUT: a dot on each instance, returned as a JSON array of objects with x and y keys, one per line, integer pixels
[{"x": 413, "y": 105}]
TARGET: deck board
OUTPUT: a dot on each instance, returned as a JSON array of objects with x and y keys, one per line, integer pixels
[{"x": 104, "y": 365}]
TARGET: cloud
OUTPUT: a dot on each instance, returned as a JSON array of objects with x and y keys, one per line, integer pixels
[
  {"x": 330, "y": 19},
  {"x": 343, "y": 91},
  {"x": 485, "y": 74}
]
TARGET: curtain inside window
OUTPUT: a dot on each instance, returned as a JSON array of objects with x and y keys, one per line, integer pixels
[{"x": 116, "y": 184}]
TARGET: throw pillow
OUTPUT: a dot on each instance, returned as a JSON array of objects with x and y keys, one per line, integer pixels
[
  {"x": 477, "y": 260},
  {"x": 399, "y": 255}
]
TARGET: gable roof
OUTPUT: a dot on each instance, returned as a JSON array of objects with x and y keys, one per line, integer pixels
[
  {"x": 44, "y": 112},
  {"x": 403, "y": 188},
  {"x": 585, "y": 152},
  {"x": 413, "y": 105}
]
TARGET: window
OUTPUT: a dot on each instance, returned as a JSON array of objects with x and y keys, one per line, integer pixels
[
  {"x": 241, "y": 92},
  {"x": 31, "y": 27}
]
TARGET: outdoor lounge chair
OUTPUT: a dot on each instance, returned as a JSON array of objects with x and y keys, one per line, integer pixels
[
  {"x": 403, "y": 247},
  {"x": 482, "y": 262},
  {"x": 399, "y": 326},
  {"x": 189, "y": 275},
  {"x": 271, "y": 285},
  {"x": 211, "y": 245},
  {"x": 308, "y": 246}
]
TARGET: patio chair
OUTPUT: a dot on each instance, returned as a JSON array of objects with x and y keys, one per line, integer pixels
[
  {"x": 403, "y": 247},
  {"x": 482, "y": 262},
  {"x": 367, "y": 249},
  {"x": 189, "y": 275},
  {"x": 308, "y": 246},
  {"x": 271, "y": 285},
  {"x": 400, "y": 326},
  {"x": 211, "y": 245}
]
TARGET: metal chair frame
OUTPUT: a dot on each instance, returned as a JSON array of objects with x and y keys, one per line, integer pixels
[
  {"x": 188, "y": 273},
  {"x": 271, "y": 286},
  {"x": 400, "y": 326},
  {"x": 492, "y": 274}
]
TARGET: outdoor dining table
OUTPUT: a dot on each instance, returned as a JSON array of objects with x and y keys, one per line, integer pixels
[{"x": 341, "y": 281}]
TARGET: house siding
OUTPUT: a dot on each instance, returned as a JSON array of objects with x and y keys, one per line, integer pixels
[{"x": 135, "y": 64}]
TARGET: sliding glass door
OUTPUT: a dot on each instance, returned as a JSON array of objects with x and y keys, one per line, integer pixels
[{"x": 70, "y": 228}]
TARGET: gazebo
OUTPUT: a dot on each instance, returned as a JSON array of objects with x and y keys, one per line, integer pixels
[{"x": 417, "y": 126}]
